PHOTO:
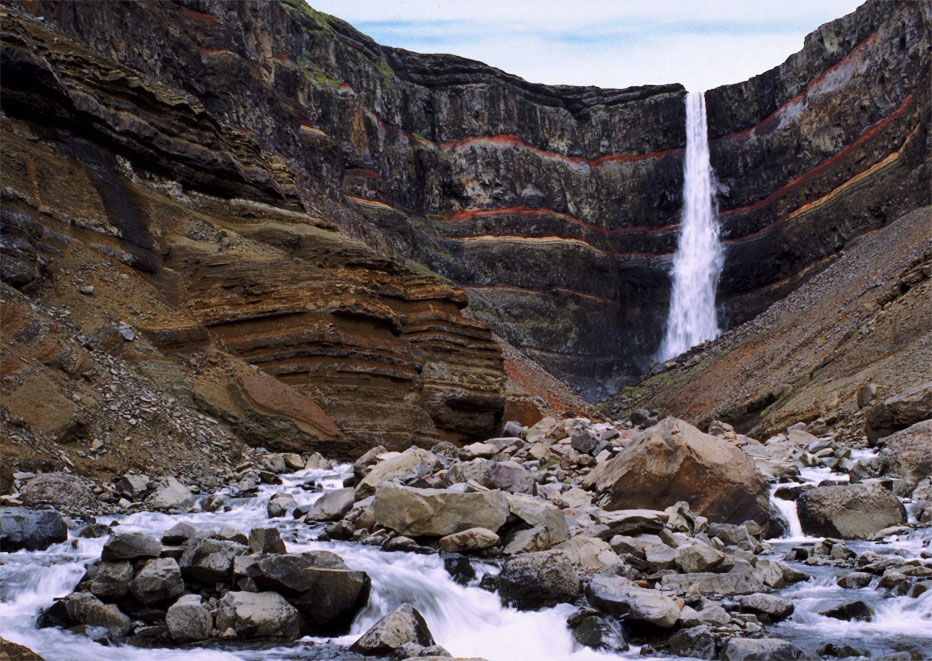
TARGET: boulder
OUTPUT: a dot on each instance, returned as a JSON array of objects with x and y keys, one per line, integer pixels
[
  {"x": 673, "y": 461},
  {"x": 326, "y": 592},
  {"x": 511, "y": 476},
  {"x": 848, "y": 511},
  {"x": 474, "y": 539},
  {"x": 538, "y": 580},
  {"x": 597, "y": 631},
  {"x": 187, "y": 620},
  {"x": 762, "y": 649},
  {"x": 588, "y": 554},
  {"x": 483, "y": 450},
  {"x": 129, "y": 546},
  {"x": 633, "y": 521},
  {"x": 477, "y": 470},
  {"x": 908, "y": 453},
  {"x": 266, "y": 540},
  {"x": 855, "y": 579},
  {"x": 731, "y": 583},
  {"x": 767, "y": 607},
  {"x": 403, "y": 625},
  {"x": 537, "y": 512},
  {"x": 697, "y": 557},
  {"x": 14, "y": 652},
  {"x": 85, "y": 608},
  {"x": 437, "y": 512},
  {"x": 210, "y": 560},
  {"x": 618, "y": 596},
  {"x": 179, "y": 533},
  {"x": 899, "y": 411},
  {"x": 169, "y": 494},
  {"x": 158, "y": 580},
  {"x": 258, "y": 615},
  {"x": 696, "y": 642},
  {"x": 33, "y": 530},
  {"x": 132, "y": 486},
  {"x": 112, "y": 580},
  {"x": 62, "y": 491},
  {"x": 855, "y": 610},
  {"x": 413, "y": 462},
  {"x": 332, "y": 505},
  {"x": 279, "y": 504}
]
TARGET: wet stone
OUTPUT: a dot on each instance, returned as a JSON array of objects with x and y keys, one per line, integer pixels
[{"x": 855, "y": 610}]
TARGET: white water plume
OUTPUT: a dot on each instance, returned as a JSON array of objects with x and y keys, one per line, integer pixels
[{"x": 699, "y": 257}]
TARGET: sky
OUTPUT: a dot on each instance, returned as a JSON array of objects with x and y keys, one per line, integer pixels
[{"x": 609, "y": 43}]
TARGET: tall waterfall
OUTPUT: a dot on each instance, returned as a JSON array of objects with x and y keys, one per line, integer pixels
[{"x": 699, "y": 257}]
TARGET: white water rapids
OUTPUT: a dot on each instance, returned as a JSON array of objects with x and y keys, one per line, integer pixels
[
  {"x": 698, "y": 260},
  {"x": 466, "y": 620}
]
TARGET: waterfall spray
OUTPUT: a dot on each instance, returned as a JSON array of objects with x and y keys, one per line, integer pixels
[{"x": 699, "y": 257}]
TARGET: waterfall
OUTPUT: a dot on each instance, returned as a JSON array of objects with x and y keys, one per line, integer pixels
[{"x": 699, "y": 257}]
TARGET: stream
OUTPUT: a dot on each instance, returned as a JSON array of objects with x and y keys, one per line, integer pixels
[{"x": 466, "y": 620}]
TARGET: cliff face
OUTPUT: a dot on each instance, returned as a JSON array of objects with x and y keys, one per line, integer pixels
[
  {"x": 192, "y": 286},
  {"x": 555, "y": 208}
]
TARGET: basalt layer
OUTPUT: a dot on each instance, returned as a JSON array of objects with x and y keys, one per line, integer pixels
[
  {"x": 556, "y": 208},
  {"x": 120, "y": 283}
]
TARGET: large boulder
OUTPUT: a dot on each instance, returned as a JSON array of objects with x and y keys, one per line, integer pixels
[
  {"x": 673, "y": 461},
  {"x": 412, "y": 463},
  {"x": 849, "y": 511},
  {"x": 210, "y": 560},
  {"x": 85, "y": 608},
  {"x": 511, "y": 476},
  {"x": 170, "y": 494},
  {"x": 188, "y": 620},
  {"x": 899, "y": 411},
  {"x": 540, "y": 514},
  {"x": 258, "y": 615},
  {"x": 538, "y": 580},
  {"x": 618, "y": 596},
  {"x": 332, "y": 505},
  {"x": 112, "y": 580},
  {"x": 319, "y": 584},
  {"x": 158, "y": 580},
  {"x": 437, "y": 512},
  {"x": 762, "y": 649},
  {"x": 598, "y": 631},
  {"x": 403, "y": 625},
  {"x": 474, "y": 539},
  {"x": 15, "y": 652},
  {"x": 767, "y": 607},
  {"x": 908, "y": 453},
  {"x": 33, "y": 530},
  {"x": 129, "y": 546},
  {"x": 62, "y": 491}
]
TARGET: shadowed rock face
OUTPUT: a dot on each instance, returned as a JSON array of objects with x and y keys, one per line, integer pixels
[{"x": 555, "y": 207}]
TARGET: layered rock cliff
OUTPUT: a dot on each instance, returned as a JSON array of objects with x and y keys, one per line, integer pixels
[
  {"x": 134, "y": 303},
  {"x": 555, "y": 208}
]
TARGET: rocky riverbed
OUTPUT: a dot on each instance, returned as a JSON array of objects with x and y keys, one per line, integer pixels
[{"x": 541, "y": 543}]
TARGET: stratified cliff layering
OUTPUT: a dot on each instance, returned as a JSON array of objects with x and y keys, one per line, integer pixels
[
  {"x": 555, "y": 208},
  {"x": 192, "y": 286}
]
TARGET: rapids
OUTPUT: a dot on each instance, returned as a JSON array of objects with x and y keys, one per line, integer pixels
[{"x": 466, "y": 620}]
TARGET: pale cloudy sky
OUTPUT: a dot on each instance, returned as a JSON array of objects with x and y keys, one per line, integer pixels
[{"x": 609, "y": 43}]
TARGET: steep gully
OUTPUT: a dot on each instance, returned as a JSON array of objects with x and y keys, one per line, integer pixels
[{"x": 556, "y": 208}]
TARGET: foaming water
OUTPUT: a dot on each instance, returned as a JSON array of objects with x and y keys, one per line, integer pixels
[
  {"x": 466, "y": 620},
  {"x": 698, "y": 261}
]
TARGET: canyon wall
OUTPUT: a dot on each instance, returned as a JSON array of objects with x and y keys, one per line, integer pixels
[
  {"x": 219, "y": 296},
  {"x": 555, "y": 208}
]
